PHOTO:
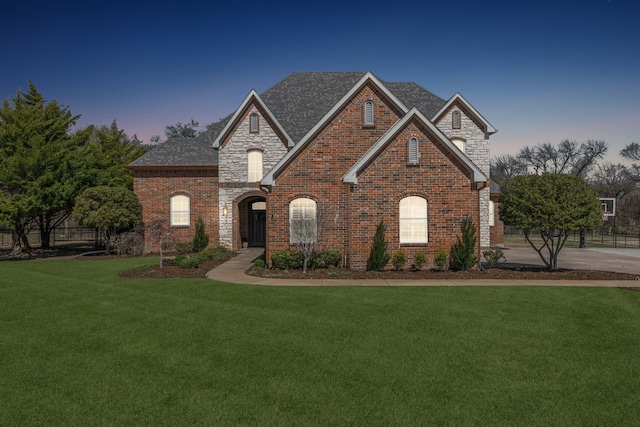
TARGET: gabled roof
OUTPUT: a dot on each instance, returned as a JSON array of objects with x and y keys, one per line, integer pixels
[
  {"x": 251, "y": 98},
  {"x": 460, "y": 99},
  {"x": 178, "y": 153},
  {"x": 352, "y": 174},
  {"x": 269, "y": 178},
  {"x": 299, "y": 102}
]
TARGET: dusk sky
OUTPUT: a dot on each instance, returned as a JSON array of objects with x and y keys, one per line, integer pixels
[{"x": 539, "y": 71}]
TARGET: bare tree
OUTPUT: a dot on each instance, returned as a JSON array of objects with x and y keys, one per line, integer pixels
[
  {"x": 568, "y": 157},
  {"x": 632, "y": 152},
  {"x": 159, "y": 232},
  {"x": 307, "y": 232}
]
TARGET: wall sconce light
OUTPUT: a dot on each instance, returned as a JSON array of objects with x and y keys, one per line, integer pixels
[{"x": 225, "y": 211}]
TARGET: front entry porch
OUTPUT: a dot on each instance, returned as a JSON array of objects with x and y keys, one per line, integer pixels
[{"x": 252, "y": 223}]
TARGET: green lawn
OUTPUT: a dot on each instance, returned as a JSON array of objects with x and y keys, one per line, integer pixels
[{"x": 81, "y": 346}]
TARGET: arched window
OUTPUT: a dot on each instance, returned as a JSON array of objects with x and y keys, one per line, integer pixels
[
  {"x": 455, "y": 120},
  {"x": 459, "y": 143},
  {"x": 254, "y": 123},
  {"x": 254, "y": 161},
  {"x": 413, "y": 150},
  {"x": 303, "y": 227},
  {"x": 368, "y": 113},
  {"x": 413, "y": 220},
  {"x": 180, "y": 211}
]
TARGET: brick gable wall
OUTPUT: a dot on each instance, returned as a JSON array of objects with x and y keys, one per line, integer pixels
[
  {"x": 155, "y": 188},
  {"x": 317, "y": 170},
  {"x": 438, "y": 177}
]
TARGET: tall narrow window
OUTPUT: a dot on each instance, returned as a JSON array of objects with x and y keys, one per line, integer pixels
[
  {"x": 492, "y": 214},
  {"x": 303, "y": 227},
  {"x": 413, "y": 220},
  {"x": 368, "y": 113},
  {"x": 254, "y": 160},
  {"x": 413, "y": 150},
  {"x": 254, "y": 123},
  {"x": 455, "y": 120},
  {"x": 180, "y": 210}
]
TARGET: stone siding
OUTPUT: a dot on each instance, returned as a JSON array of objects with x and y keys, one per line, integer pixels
[{"x": 477, "y": 149}]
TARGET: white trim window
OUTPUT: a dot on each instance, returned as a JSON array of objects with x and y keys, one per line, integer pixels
[
  {"x": 413, "y": 220},
  {"x": 413, "y": 150},
  {"x": 254, "y": 166},
  {"x": 254, "y": 123},
  {"x": 303, "y": 225},
  {"x": 368, "y": 114},
  {"x": 180, "y": 209}
]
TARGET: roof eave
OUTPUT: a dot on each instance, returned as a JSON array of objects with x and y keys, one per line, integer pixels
[{"x": 489, "y": 129}]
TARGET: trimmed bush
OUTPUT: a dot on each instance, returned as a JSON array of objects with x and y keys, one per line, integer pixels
[
  {"x": 494, "y": 257},
  {"x": 258, "y": 263},
  {"x": 419, "y": 261},
  {"x": 441, "y": 259},
  {"x": 399, "y": 259},
  {"x": 184, "y": 248},
  {"x": 326, "y": 259},
  {"x": 287, "y": 260}
]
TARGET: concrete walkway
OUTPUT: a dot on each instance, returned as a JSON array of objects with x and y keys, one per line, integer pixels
[{"x": 233, "y": 270}]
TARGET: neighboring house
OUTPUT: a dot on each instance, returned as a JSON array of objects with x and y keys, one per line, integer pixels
[{"x": 338, "y": 150}]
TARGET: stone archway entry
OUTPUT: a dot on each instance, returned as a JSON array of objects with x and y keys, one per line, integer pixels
[{"x": 257, "y": 224}]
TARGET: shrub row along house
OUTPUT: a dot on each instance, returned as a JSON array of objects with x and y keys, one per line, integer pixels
[{"x": 341, "y": 151}]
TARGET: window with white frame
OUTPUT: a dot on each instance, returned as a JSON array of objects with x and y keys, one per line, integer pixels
[
  {"x": 455, "y": 120},
  {"x": 303, "y": 225},
  {"x": 492, "y": 214},
  {"x": 254, "y": 161},
  {"x": 368, "y": 113},
  {"x": 413, "y": 150},
  {"x": 254, "y": 123},
  {"x": 459, "y": 143},
  {"x": 413, "y": 220},
  {"x": 180, "y": 210}
]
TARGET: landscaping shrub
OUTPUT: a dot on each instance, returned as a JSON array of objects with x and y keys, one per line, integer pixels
[
  {"x": 326, "y": 259},
  {"x": 463, "y": 251},
  {"x": 378, "y": 257},
  {"x": 493, "y": 257},
  {"x": 399, "y": 259},
  {"x": 441, "y": 259},
  {"x": 419, "y": 260},
  {"x": 287, "y": 260},
  {"x": 200, "y": 239},
  {"x": 184, "y": 248},
  {"x": 258, "y": 263},
  {"x": 219, "y": 253}
]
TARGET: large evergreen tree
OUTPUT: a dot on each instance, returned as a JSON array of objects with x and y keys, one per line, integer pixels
[{"x": 40, "y": 159}]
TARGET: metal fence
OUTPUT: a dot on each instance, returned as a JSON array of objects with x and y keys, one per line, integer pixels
[
  {"x": 59, "y": 236},
  {"x": 592, "y": 238}
]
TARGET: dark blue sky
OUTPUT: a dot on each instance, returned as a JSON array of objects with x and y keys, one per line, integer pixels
[{"x": 539, "y": 71}]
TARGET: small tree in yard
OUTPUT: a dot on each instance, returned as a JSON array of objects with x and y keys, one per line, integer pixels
[
  {"x": 200, "y": 239},
  {"x": 378, "y": 256},
  {"x": 158, "y": 231},
  {"x": 306, "y": 230},
  {"x": 552, "y": 205},
  {"x": 110, "y": 209},
  {"x": 463, "y": 252}
]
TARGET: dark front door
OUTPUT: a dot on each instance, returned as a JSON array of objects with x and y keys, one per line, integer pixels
[{"x": 257, "y": 228}]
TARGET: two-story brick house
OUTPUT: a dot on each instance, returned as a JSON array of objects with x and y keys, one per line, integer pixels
[{"x": 339, "y": 150}]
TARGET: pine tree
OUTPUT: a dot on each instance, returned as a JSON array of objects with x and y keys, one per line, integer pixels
[
  {"x": 378, "y": 257},
  {"x": 463, "y": 251},
  {"x": 200, "y": 239}
]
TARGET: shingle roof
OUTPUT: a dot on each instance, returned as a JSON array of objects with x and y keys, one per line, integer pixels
[
  {"x": 298, "y": 102},
  {"x": 179, "y": 152}
]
